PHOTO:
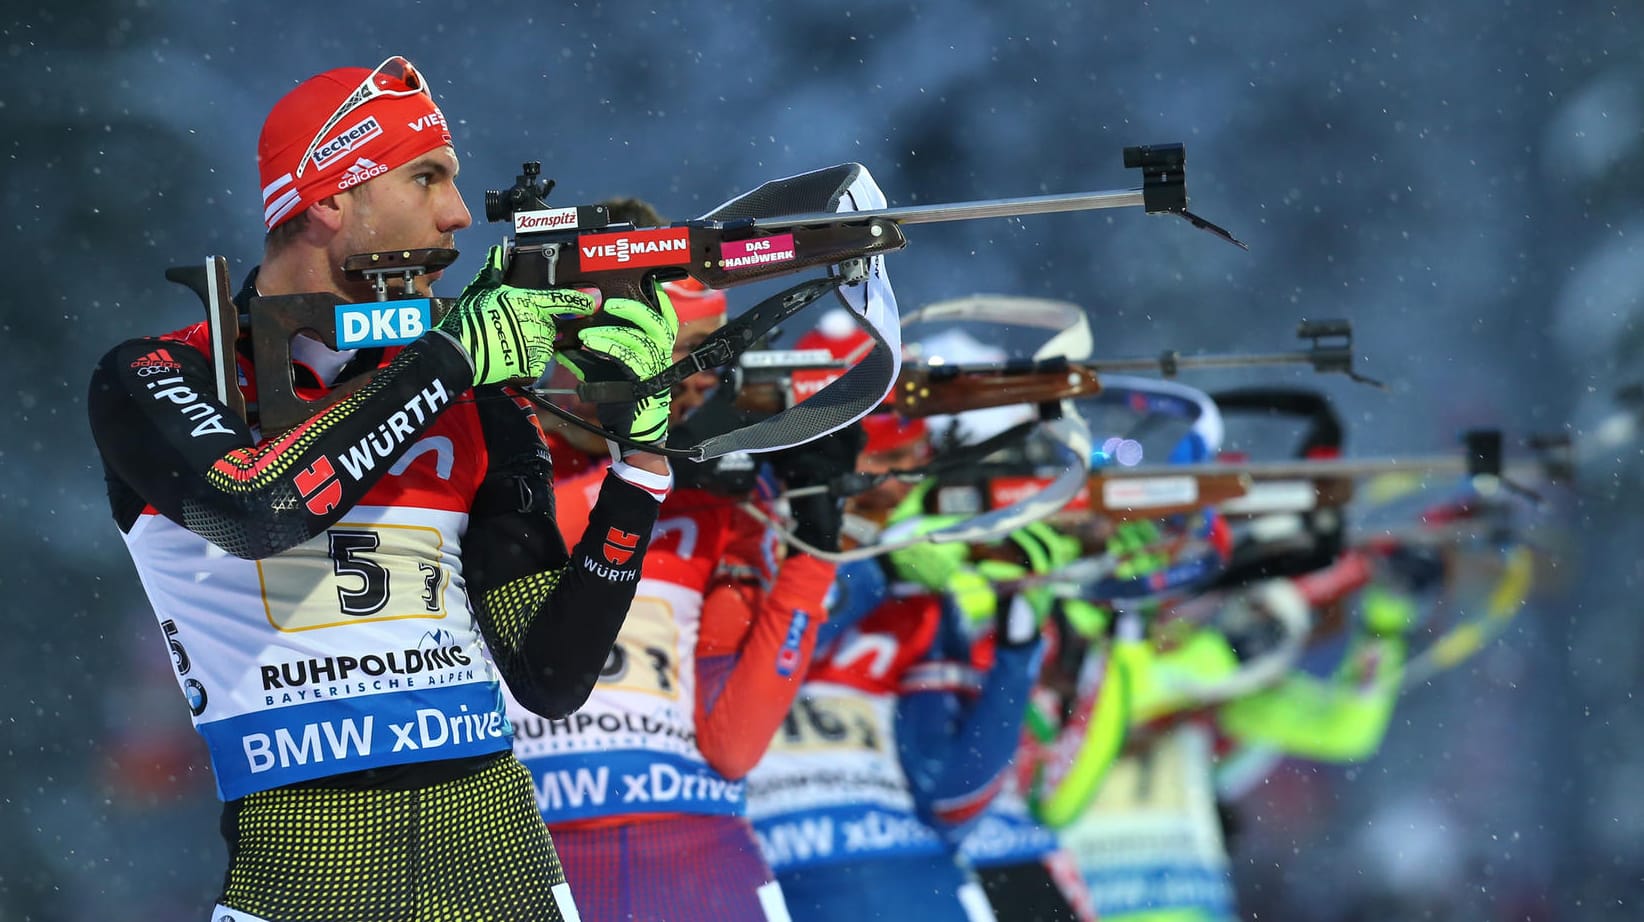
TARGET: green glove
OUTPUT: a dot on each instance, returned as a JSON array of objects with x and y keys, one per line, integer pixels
[
  {"x": 995, "y": 572},
  {"x": 1388, "y": 613},
  {"x": 634, "y": 342},
  {"x": 1130, "y": 546},
  {"x": 913, "y": 506},
  {"x": 973, "y": 593},
  {"x": 1039, "y": 598},
  {"x": 1088, "y": 620},
  {"x": 509, "y": 332},
  {"x": 941, "y": 567},
  {"x": 1047, "y": 550},
  {"x": 930, "y": 565}
]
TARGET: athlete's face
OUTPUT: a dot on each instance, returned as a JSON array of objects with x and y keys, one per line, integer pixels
[
  {"x": 690, "y": 393},
  {"x": 414, "y": 206},
  {"x": 875, "y": 503}
]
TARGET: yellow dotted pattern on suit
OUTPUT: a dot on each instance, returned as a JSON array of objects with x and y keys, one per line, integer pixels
[
  {"x": 509, "y": 609},
  {"x": 470, "y": 850}
]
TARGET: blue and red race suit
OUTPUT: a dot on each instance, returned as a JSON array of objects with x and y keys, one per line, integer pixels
[{"x": 901, "y": 735}]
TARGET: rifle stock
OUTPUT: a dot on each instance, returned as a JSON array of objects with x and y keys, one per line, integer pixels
[
  {"x": 927, "y": 390},
  {"x": 1126, "y": 498},
  {"x": 629, "y": 262},
  {"x": 620, "y": 261},
  {"x": 938, "y": 390}
]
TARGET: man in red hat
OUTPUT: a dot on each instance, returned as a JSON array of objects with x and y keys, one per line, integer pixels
[
  {"x": 341, "y": 600},
  {"x": 894, "y": 442}
]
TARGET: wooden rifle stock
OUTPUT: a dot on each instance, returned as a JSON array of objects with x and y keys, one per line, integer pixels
[
  {"x": 1123, "y": 497},
  {"x": 1120, "y": 497},
  {"x": 938, "y": 390}
]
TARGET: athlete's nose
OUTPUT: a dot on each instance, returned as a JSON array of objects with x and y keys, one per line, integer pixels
[{"x": 453, "y": 213}]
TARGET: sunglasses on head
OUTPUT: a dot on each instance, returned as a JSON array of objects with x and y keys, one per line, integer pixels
[{"x": 395, "y": 68}]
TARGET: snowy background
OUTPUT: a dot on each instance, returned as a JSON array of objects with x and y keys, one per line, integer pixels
[{"x": 1462, "y": 180}]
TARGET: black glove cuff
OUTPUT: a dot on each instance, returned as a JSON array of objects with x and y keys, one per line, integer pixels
[
  {"x": 1016, "y": 625},
  {"x": 617, "y": 417},
  {"x": 817, "y": 520}
]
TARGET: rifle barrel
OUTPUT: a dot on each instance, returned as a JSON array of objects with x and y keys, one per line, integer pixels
[
  {"x": 964, "y": 211},
  {"x": 1108, "y": 366},
  {"x": 1331, "y": 467}
]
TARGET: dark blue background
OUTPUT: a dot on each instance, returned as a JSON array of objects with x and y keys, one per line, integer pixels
[{"x": 1462, "y": 180}]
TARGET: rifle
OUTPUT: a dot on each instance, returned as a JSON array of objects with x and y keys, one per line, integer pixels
[
  {"x": 210, "y": 282},
  {"x": 272, "y": 322},
  {"x": 1299, "y": 485},
  {"x": 761, "y": 234},
  {"x": 772, "y": 380},
  {"x": 1110, "y": 492},
  {"x": 1257, "y": 488},
  {"x": 779, "y": 228},
  {"x": 971, "y": 486},
  {"x": 756, "y": 236}
]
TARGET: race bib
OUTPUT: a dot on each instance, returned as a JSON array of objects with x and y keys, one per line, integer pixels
[
  {"x": 1152, "y": 840},
  {"x": 355, "y": 573},
  {"x": 646, "y": 656},
  {"x": 822, "y": 722}
]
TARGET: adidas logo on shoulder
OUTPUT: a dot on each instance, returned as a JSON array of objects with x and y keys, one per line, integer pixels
[{"x": 157, "y": 362}]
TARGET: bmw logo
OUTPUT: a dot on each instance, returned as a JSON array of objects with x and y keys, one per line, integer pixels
[{"x": 196, "y": 695}]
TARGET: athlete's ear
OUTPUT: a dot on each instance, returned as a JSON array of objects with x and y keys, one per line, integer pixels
[{"x": 328, "y": 213}]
